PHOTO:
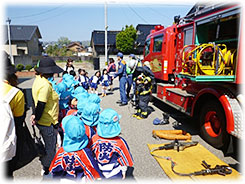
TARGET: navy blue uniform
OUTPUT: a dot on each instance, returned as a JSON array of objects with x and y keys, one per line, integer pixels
[{"x": 123, "y": 80}]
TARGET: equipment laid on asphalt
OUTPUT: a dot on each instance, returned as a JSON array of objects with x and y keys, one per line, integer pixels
[
  {"x": 171, "y": 134},
  {"x": 186, "y": 164},
  {"x": 218, "y": 169},
  {"x": 176, "y": 145},
  {"x": 163, "y": 121}
]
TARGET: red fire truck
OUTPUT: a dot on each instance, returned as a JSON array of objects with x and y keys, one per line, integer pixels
[{"x": 197, "y": 65}]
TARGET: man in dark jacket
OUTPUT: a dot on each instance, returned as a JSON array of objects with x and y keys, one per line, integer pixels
[{"x": 122, "y": 79}]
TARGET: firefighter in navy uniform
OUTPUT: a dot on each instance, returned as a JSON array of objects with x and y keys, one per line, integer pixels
[
  {"x": 144, "y": 78},
  {"x": 143, "y": 91},
  {"x": 122, "y": 79}
]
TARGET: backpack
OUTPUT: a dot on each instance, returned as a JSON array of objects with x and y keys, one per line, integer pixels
[
  {"x": 112, "y": 68},
  {"x": 8, "y": 133}
]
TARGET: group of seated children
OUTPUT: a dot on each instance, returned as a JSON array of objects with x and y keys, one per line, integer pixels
[
  {"x": 91, "y": 147},
  {"x": 97, "y": 79}
]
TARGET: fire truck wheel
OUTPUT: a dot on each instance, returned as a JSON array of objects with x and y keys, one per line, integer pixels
[{"x": 213, "y": 124}]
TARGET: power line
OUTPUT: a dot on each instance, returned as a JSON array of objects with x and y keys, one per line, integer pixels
[
  {"x": 158, "y": 13},
  {"x": 137, "y": 14},
  {"x": 125, "y": 15},
  {"x": 36, "y": 14},
  {"x": 41, "y": 20}
]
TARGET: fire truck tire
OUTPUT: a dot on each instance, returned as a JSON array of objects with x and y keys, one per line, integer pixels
[{"x": 213, "y": 124}]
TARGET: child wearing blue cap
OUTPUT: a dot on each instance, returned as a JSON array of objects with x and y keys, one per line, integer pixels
[
  {"x": 81, "y": 105},
  {"x": 110, "y": 150},
  {"x": 90, "y": 115},
  {"x": 78, "y": 93},
  {"x": 94, "y": 81},
  {"x": 52, "y": 81},
  {"x": 94, "y": 98},
  {"x": 64, "y": 100},
  {"x": 74, "y": 160},
  {"x": 70, "y": 81}
]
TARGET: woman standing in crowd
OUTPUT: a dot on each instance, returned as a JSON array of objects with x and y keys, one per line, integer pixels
[
  {"x": 111, "y": 71},
  {"x": 69, "y": 66},
  {"x": 16, "y": 102},
  {"x": 46, "y": 112}
]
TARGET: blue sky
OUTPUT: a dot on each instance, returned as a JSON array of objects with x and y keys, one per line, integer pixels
[{"x": 77, "y": 21}]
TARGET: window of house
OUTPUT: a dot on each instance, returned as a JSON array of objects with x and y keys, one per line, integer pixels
[{"x": 157, "y": 47}]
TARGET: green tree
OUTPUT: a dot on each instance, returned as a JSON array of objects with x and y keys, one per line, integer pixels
[
  {"x": 63, "y": 41},
  {"x": 55, "y": 50},
  {"x": 125, "y": 40},
  {"x": 49, "y": 50},
  {"x": 63, "y": 51}
]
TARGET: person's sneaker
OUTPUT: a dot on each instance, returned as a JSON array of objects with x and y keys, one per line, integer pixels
[
  {"x": 123, "y": 104},
  {"x": 119, "y": 102}
]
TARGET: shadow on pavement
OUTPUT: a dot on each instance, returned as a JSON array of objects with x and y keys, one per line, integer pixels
[
  {"x": 182, "y": 121},
  {"x": 117, "y": 88}
]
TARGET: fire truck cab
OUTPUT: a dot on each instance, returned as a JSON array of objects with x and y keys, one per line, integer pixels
[
  {"x": 200, "y": 55},
  {"x": 160, "y": 52}
]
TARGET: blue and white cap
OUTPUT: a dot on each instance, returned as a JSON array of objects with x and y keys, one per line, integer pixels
[
  {"x": 75, "y": 137},
  {"x": 90, "y": 114},
  {"x": 108, "y": 125}
]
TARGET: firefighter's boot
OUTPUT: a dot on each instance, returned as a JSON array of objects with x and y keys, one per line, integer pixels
[
  {"x": 137, "y": 113},
  {"x": 142, "y": 115}
]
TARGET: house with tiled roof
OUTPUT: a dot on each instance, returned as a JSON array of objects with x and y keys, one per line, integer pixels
[
  {"x": 75, "y": 47},
  {"x": 98, "y": 42},
  {"x": 25, "y": 43},
  {"x": 143, "y": 30}
]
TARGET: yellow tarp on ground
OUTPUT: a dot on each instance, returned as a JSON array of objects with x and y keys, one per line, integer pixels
[{"x": 189, "y": 161}]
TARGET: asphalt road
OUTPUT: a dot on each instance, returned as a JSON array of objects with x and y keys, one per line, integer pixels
[{"x": 137, "y": 133}]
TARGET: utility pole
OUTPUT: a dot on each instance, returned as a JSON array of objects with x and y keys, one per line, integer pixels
[
  {"x": 10, "y": 47},
  {"x": 106, "y": 27}
]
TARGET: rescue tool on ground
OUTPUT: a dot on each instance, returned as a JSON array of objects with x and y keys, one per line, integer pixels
[
  {"x": 218, "y": 169},
  {"x": 175, "y": 145}
]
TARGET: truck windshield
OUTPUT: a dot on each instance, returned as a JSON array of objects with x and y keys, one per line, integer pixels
[
  {"x": 147, "y": 47},
  {"x": 157, "y": 47}
]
